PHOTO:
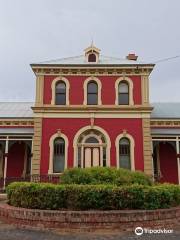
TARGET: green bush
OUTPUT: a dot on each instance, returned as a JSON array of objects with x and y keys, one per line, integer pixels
[
  {"x": 85, "y": 197},
  {"x": 104, "y": 175}
]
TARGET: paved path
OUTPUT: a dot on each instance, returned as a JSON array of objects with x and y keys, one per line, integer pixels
[{"x": 9, "y": 232}]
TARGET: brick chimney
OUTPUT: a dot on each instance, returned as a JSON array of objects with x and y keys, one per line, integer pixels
[{"x": 132, "y": 56}]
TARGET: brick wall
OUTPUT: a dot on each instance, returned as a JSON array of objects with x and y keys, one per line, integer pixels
[{"x": 124, "y": 220}]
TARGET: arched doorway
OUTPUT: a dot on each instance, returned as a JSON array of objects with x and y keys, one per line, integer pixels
[
  {"x": 165, "y": 162},
  {"x": 91, "y": 149}
]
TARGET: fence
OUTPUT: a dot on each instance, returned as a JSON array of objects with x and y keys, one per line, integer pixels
[{"x": 31, "y": 178}]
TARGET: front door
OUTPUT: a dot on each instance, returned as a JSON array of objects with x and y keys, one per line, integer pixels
[{"x": 91, "y": 157}]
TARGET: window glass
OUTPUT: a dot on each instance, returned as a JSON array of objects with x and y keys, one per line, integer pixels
[
  {"x": 123, "y": 87},
  {"x": 92, "y": 57},
  {"x": 60, "y": 93},
  {"x": 92, "y": 87},
  {"x": 124, "y": 153},
  {"x": 92, "y": 93},
  {"x": 59, "y": 155},
  {"x": 104, "y": 157},
  {"x": 92, "y": 140},
  {"x": 123, "y": 94}
]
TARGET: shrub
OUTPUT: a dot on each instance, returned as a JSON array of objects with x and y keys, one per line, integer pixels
[
  {"x": 104, "y": 175},
  {"x": 85, "y": 197}
]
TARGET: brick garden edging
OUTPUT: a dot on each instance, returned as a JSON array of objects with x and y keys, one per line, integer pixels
[{"x": 121, "y": 220}]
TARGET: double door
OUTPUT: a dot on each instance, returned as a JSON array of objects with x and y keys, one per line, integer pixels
[{"x": 91, "y": 157}]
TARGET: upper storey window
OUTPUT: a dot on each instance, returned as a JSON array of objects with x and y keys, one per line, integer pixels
[
  {"x": 92, "y": 93},
  {"x": 92, "y": 57},
  {"x": 60, "y": 93},
  {"x": 123, "y": 93}
]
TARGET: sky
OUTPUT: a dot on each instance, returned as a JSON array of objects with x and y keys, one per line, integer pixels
[{"x": 40, "y": 30}]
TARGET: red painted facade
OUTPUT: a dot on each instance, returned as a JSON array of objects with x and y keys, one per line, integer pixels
[
  {"x": 76, "y": 96},
  {"x": 112, "y": 126}
]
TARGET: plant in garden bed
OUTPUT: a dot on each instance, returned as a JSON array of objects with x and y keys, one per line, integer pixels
[
  {"x": 85, "y": 197},
  {"x": 104, "y": 175}
]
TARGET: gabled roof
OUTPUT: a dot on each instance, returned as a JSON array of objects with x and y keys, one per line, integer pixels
[
  {"x": 16, "y": 109},
  {"x": 166, "y": 110},
  {"x": 81, "y": 60}
]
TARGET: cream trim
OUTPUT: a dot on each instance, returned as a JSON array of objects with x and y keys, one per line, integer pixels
[
  {"x": 132, "y": 146},
  {"x": 130, "y": 83},
  {"x": 75, "y": 142},
  {"x": 165, "y": 123},
  {"x": 39, "y": 90},
  {"x": 145, "y": 89},
  {"x": 88, "y": 115},
  {"x": 95, "y": 79},
  {"x": 53, "y": 87},
  {"x": 51, "y": 146}
]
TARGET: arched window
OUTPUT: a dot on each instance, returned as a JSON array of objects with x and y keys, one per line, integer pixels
[
  {"x": 92, "y": 93},
  {"x": 60, "y": 93},
  {"x": 124, "y": 153},
  {"x": 92, "y": 57},
  {"x": 91, "y": 140},
  {"x": 123, "y": 93},
  {"x": 59, "y": 155}
]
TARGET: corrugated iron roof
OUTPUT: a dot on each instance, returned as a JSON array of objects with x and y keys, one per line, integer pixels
[
  {"x": 16, "y": 109},
  {"x": 23, "y": 110},
  {"x": 17, "y": 131},
  {"x": 166, "y": 110},
  {"x": 103, "y": 60},
  {"x": 165, "y": 131}
]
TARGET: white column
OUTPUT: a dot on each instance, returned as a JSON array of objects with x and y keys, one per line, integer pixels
[
  {"x": 152, "y": 159},
  {"x": 5, "y": 161},
  {"x": 31, "y": 156},
  {"x": 31, "y": 159},
  {"x": 178, "y": 163}
]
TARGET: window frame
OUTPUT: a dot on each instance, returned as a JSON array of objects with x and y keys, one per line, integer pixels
[
  {"x": 126, "y": 151},
  {"x": 59, "y": 134},
  {"x": 92, "y": 93},
  {"x": 131, "y": 95},
  {"x": 58, "y": 152},
  {"x": 60, "y": 93},
  {"x": 132, "y": 148},
  {"x": 85, "y": 85},
  {"x": 123, "y": 94},
  {"x": 53, "y": 90}
]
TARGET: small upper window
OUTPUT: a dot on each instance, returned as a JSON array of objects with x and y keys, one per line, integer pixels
[
  {"x": 60, "y": 93},
  {"x": 92, "y": 93},
  {"x": 123, "y": 93},
  {"x": 92, "y": 57}
]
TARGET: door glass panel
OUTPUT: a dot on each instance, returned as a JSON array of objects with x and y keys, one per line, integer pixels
[
  {"x": 95, "y": 157},
  {"x": 87, "y": 160}
]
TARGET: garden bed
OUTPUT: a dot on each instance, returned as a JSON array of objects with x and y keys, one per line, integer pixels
[{"x": 78, "y": 221}]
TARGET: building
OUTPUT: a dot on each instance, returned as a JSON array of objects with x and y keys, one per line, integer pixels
[{"x": 90, "y": 110}]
